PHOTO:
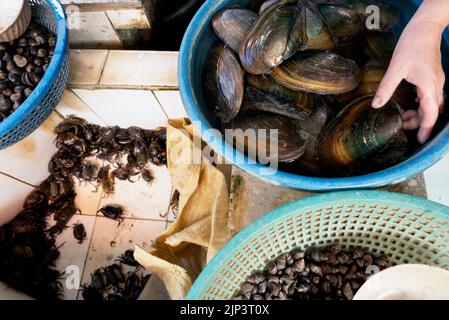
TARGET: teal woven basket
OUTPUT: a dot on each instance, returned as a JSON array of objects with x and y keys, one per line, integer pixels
[{"x": 406, "y": 229}]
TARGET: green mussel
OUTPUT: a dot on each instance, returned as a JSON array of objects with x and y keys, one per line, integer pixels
[
  {"x": 301, "y": 104},
  {"x": 322, "y": 73},
  {"x": 285, "y": 145},
  {"x": 231, "y": 25},
  {"x": 265, "y": 45},
  {"x": 285, "y": 27},
  {"x": 347, "y": 24},
  {"x": 357, "y": 133}
]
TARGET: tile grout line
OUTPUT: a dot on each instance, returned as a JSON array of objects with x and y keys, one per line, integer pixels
[
  {"x": 60, "y": 114},
  {"x": 85, "y": 260},
  {"x": 114, "y": 30},
  {"x": 104, "y": 66},
  {"x": 168, "y": 208},
  {"x": 136, "y": 219},
  {"x": 123, "y": 87},
  {"x": 160, "y": 104},
  {"x": 87, "y": 106},
  {"x": 18, "y": 180},
  {"x": 90, "y": 244}
]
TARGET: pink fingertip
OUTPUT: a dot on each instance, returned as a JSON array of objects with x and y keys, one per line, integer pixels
[{"x": 377, "y": 102}]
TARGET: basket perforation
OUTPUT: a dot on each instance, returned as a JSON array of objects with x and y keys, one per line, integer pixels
[{"x": 406, "y": 234}]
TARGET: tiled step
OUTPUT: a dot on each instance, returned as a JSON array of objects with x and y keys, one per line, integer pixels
[{"x": 152, "y": 70}]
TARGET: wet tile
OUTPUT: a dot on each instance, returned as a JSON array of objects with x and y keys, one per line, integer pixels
[
  {"x": 146, "y": 69},
  {"x": 12, "y": 196},
  {"x": 111, "y": 240},
  {"x": 124, "y": 108},
  {"x": 148, "y": 201},
  {"x": 437, "y": 178},
  {"x": 104, "y": 36},
  {"x": 72, "y": 105},
  {"x": 73, "y": 255},
  {"x": 87, "y": 66},
  {"x": 28, "y": 159},
  {"x": 171, "y": 103}
]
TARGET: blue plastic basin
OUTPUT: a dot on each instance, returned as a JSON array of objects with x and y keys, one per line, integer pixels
[{"x": 198, "y": 40}]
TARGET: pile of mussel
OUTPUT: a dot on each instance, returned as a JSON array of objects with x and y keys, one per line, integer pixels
[
  {"x": 23, "y": 63},
  {"x": 309, "y": 68},
  {"x": 28, "y": 250}
]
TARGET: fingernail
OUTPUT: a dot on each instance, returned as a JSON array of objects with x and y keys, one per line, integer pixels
[
  {"x": 377, "y": 102},
  {"x": 423, "y": 136}
]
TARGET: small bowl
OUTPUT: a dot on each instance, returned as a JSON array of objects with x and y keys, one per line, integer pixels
[
  {"x": 406, "y": 282},
  {"x": 16, "y": 19}
]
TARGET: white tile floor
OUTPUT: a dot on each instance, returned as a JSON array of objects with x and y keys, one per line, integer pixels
[
  {"x": 172, "y": 103},
  {"x": 12, "y": 194},
  {"x": 115, "y": 106},
  {"x": 28, "y": 160},
  {"x": 111, "y": 239},
  {"x": 74, "y": 253},
  {"x": 147, "y": 210},
  {"x": 71, "y": 103},
  {"x": 141, "y": 69},
  {"x": 149, "y": 201}
]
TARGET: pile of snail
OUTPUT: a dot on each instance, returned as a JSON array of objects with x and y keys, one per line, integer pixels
[
  {"x": 23, "y": 63},
  {"x": 310, "y": 69}
]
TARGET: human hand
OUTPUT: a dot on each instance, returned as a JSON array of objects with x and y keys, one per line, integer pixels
[{"x": 417, "y": 59}]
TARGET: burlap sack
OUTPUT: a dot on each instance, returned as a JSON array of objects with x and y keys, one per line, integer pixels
[{"x": 201, "y": 227}]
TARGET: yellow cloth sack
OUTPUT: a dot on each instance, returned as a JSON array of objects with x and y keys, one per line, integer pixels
[{"x": 201, "y": 227}]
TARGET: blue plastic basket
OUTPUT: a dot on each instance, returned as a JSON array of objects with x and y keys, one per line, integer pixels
[
  {"x": 198, "y": 40},
  {"x": 406, "y": 229},
  {"x": 46, "y": 96}
]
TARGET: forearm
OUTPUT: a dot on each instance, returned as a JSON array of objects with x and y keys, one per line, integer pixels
[{"x": 434, "y": 11}]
